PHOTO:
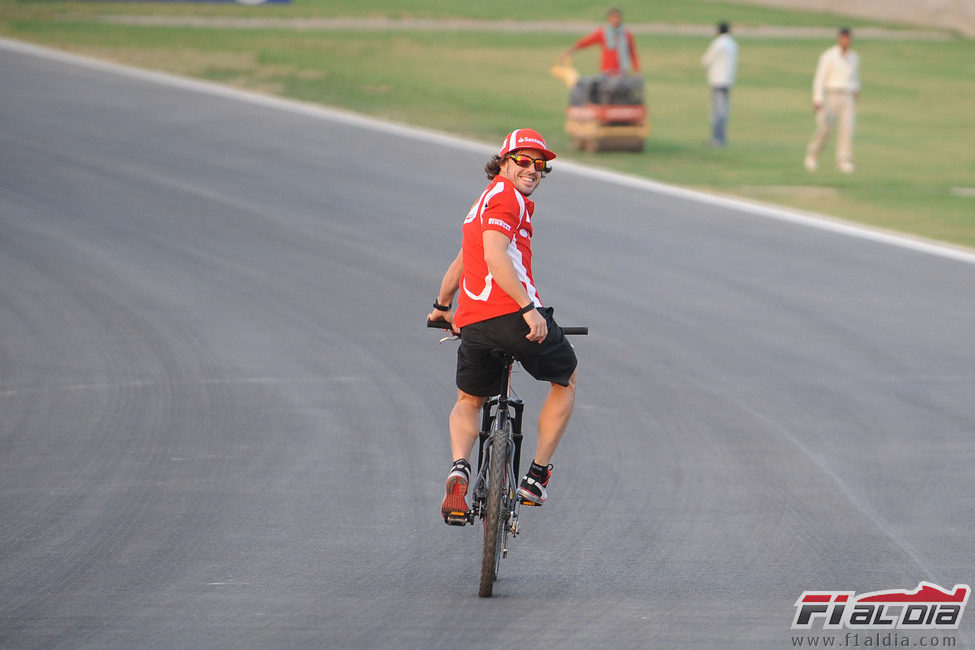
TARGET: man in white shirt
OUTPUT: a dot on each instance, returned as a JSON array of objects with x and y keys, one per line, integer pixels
[
  {"x": 721, "y": 61},
  {"x": 836, "y": 89}
]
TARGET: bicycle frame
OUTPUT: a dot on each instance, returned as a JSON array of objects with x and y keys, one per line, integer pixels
[{"x": 512, "y": 408}]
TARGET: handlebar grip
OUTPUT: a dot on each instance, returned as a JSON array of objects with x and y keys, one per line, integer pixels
[
  {"x": 579, "y": 331},
  {"x": 439, "y": 324}
]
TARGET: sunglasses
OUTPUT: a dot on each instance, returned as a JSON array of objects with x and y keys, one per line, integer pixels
[{"x": 526, "y": 161}]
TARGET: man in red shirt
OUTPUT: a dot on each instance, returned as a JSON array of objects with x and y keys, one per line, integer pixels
[
  {"x": 498, "y": 307},
  {"x": 619, "y": 51}
]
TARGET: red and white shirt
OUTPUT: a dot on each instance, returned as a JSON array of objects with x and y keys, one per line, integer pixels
[
  {"x": 503, "y": 208},
  {"x": 611, "y": 61}
]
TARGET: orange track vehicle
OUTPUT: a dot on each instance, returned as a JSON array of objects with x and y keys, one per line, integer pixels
[{"x": 606, "y": 112}]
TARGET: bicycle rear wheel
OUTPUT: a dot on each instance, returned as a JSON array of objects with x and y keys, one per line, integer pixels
[{"x": 496, "y": 508}]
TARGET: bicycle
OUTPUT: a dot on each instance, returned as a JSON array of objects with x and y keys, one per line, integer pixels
[{"x": 493, "y": 498}]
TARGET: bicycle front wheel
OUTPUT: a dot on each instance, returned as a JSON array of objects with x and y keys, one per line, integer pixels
[{"x": 496, "y": 508}]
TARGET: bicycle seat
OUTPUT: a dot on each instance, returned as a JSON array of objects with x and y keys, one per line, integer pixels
[{"x": 503, "y": 355}]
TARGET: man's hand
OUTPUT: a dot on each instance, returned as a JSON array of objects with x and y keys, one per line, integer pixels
[
  {"x": 537, "y": 326},
  {"x": 448, "y": 316}
]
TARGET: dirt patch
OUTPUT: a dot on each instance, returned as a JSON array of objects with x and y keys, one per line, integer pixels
[
  {"x": 423, "y": 24},
  {"x": 955, "y": 15}
]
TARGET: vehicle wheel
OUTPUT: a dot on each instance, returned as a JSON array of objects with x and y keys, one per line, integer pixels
[{"x": 496, "y": 508}]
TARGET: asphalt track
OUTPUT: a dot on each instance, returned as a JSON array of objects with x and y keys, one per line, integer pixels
[{"x": 222, "y": 423}]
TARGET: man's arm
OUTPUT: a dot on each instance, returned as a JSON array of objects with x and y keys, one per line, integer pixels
[
  {"x": 633, "y": 57},
  {"x": 586, "y": 41},
  {"x": 506, "y": 277},
  {"x": 709, "y": 54},
  {"x": 819, "y": 80},
  {"x": 448, "y": 289}
]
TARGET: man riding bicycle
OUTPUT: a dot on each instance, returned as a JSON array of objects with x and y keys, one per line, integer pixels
[{"x": 498, "y": 308}]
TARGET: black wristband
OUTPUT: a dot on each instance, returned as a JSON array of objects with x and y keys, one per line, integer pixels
[
  {"x": 527, "y": 308},
  {"x": 439, "y": 307}
]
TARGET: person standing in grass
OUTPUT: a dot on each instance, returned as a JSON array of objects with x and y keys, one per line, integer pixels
[
  {"x": 619, "y": 50},
  {"x": 721, "y": 61},
  {"x": 836, "y": 89}
]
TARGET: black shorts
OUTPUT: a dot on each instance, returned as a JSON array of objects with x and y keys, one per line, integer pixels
[{"x": 479, "y": 368}]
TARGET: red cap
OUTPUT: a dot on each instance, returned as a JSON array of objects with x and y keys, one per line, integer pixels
[{"x": 525, "y": 139}]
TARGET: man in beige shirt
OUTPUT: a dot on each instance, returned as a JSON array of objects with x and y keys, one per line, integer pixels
[{"x": 836, "y": 89}]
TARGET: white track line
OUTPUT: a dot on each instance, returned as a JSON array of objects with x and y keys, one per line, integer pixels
[{"x": 807, "y": 219}]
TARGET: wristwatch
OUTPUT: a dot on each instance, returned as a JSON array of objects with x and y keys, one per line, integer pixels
[{"x": 439, "y": 307}]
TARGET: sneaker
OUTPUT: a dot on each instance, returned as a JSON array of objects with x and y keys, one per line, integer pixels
[
  {"x": 846, "y": 167},
  {"x": 811, "y": 164},
  {"x": 532, "y": 489},
  {"x": 454, "y": 507}
]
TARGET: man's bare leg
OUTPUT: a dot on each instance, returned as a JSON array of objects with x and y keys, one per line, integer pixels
[
  {"x": 463, "y": 433},
  {"x": 464, "y": 424},
  {"x": 554, "y": 418}
]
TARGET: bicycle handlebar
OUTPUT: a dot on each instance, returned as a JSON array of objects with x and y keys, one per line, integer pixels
[
  {"x": 439, "y": 324},
  {"x": 442, "y": 324}
]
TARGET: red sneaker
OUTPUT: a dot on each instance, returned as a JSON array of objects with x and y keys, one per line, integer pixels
[{"x": 454, "y": 507}]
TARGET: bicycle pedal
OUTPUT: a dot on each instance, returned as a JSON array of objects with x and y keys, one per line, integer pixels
[
  {"x": 456, "y": 518},
  {"x": 526, "y": 502}
]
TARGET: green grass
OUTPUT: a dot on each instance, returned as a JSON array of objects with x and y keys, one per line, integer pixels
[{"x": 914, "y": 119}]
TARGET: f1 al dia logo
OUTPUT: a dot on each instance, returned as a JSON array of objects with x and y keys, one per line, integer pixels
[{"x": 929, "y": 607}]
